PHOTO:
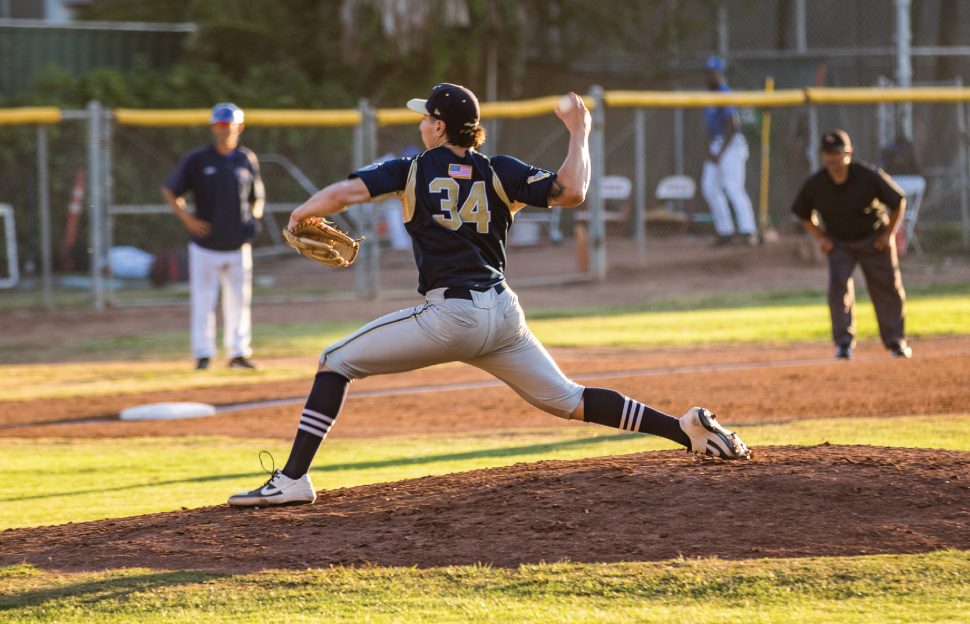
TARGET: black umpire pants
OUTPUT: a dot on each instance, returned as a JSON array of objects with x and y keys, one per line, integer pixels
[{"x": 883, "y": 280}]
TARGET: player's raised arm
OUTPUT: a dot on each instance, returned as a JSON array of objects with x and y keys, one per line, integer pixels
[
  {"x": 572, "y": 180},
  {"x": 331, "y": 200}
]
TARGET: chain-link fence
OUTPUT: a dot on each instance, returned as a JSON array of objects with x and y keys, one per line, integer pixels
[
  {"x": 90, "y": 224},
  {"x": 43, "y": 235}
]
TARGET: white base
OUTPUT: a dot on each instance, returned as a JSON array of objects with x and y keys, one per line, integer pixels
[{"x": 167, "y": 411}]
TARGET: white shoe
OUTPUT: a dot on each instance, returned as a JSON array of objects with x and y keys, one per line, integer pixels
[
  {"x": 708, "y": 437},
  {"x": 278, "y": 490}
]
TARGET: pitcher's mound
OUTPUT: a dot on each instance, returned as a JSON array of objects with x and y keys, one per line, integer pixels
[{"x": 787, "y": 501}]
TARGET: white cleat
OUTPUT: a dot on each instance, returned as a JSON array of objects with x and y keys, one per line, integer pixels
[
  {"x": 708, "y": 437},
  {"x": 278, "y": 490}
]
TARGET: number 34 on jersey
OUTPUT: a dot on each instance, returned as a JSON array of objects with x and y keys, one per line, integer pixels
[{"x": 473, "y": 210}]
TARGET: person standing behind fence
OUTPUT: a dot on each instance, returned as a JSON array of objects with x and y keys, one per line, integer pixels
[
  {"x": 228, "y": 193},
  {"x": 722, "y": 179},
  {"x": 852, "y": 199}
]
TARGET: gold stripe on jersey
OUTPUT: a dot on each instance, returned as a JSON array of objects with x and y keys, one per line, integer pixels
[
  {"x": 407, "y": 196},
  {"x": 513, "y": 207}
]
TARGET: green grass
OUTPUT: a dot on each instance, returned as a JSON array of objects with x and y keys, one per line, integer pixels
[
  {"x": 933, "y": 587},
  {"x": 72, "y": 480},
  {"x": 57, "y": 480},
  {"x": 157, "y": 361},
  {"x": 766, "y": 318},
  {"x": 739, "y": 317}
]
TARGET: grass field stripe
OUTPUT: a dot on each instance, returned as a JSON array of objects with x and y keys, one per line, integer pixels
[
  {"x": 580, "y": 377},
  {"x": 474, "y": 385}
]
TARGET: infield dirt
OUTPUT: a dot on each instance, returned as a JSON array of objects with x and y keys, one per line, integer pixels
[{"x": 787, "y": 501}]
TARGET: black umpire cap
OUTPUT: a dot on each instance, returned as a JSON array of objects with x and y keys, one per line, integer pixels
[
  {"x": 453, "y": 104},
  {"x": 836, "y": 141}
]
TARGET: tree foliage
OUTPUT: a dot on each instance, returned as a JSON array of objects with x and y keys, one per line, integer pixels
[{"x": 332, "y": 52}]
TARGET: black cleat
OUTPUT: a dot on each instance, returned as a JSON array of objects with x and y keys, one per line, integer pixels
[
  {"x": 901, "y": 351},
  {"x": 242, "y": 362}
]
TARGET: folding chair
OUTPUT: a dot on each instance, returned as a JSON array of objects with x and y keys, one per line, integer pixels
[{"x": 915, "y": 187}]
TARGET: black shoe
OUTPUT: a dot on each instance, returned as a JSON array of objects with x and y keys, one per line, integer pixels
[
  {"x": 202, "y": 364},
  {"x": 750, "y": 240},
  {"x": 241, "y": 362},
  {"x": 901, "y": 351},
  {"x": 843, "y": 352},
  {"x": 722, "y": 241}
]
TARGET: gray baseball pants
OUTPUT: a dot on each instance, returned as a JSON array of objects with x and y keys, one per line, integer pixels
[
  {"x": 487, "y": 331},
  {"x": 883, "y": 280}
]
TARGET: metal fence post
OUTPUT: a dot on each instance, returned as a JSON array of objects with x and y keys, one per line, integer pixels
[
  {"x": 369, "y": 139},
  {"x": 640, "y": 183},
  {"x": 813, "y": 145},
  {"x": 95, "y": 203},
  {"x": 107, "y": 199},
  {"x": 44, "y": 199},
  {"x": 679, "y": 141},
  {"x": 365, "y": 140},
  {"x": 964, "y": 160},
  {"x": 594, "y": 197}
]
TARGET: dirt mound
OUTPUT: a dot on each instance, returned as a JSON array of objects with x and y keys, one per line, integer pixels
[{"x": 787, "y": 501}]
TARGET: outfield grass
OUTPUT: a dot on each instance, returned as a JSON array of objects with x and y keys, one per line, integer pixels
[
  {"x": 157, "y": 362},
  {"x": 58, "y": 480},
  {"x": 72, "y": 480},
  {"x": 933, "y": 587}
]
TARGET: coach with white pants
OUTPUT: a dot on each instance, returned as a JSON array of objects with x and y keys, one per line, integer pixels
[
  {"x": 224, "y": 179},
  {"x": 724, "y": 166}
]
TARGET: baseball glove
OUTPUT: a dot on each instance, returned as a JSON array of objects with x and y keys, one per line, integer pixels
[{"x": 318, "y": 239}]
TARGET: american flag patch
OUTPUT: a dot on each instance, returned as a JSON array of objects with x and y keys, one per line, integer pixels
[{"x": 463, "y": 172}]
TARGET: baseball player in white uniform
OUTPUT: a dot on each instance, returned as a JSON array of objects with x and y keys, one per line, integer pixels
[
  {"x": 224, "y": 179},
  {"x": 722, "y": 179}
]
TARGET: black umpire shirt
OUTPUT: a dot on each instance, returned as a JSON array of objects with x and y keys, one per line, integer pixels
[
  {"x": 225, "y": 188},
  {"x": 854, "y": 209}
]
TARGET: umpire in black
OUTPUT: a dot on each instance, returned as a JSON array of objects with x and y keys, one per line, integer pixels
[{"x": 860, "y": 208}]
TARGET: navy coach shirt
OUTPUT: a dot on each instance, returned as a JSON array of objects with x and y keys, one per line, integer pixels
[{"x": 224, "y": 188}]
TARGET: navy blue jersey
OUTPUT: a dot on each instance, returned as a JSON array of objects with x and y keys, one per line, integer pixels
[
  {"x": 224, "y": 188},
  {"x": 719, "y": 118},
  {"x": 854, "y": 209},
  {"x": 458, "y": 211}
]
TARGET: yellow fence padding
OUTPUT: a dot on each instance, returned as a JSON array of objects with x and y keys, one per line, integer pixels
[
  {"x": 697, "y": 99},
  {"x": 259, "y": 117},
  {"x": 929, "y": 95},
  {"x": 517, "y": 109},
  {"x": 522, "y": 108},
  {"x": 31, "y": 115}
]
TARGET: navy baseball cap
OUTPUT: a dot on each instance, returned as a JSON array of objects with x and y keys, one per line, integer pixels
[
  {"x": 226, "y": 112},
  {"x": 836, "y": 140},
  {"x": 453, "y": 104},
  {"x": 715, "y": 64}
]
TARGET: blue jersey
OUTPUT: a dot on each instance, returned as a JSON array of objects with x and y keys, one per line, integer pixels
[
  {"x": 458, "y": 211},
  {"x": 224, "y": 188},
  {"x": 719, "y": 118}
]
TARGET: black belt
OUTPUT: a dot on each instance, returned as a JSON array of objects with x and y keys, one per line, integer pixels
[{"x": 466, "y": 293}]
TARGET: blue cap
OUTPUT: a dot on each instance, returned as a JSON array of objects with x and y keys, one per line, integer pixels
[
  {"x": 714, "y": 63},
  {"x": 226, "y": 112}
]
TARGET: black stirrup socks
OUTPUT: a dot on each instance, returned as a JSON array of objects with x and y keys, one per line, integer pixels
[
  {"x": 322, "y": 407},
  {"x": 610, "y": 408}
]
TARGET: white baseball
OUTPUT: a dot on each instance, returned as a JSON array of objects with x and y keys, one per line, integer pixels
[{"x": 565, "y": 104}]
